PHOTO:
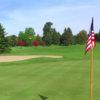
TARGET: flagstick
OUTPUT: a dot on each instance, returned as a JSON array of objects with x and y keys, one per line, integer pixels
[{"x": 91, "y": 69}]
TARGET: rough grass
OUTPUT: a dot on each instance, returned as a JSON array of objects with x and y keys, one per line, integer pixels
[{"x": 67, "y": 78}]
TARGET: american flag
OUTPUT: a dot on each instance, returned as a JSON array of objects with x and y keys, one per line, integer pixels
[{"x": 91, "y": 39}]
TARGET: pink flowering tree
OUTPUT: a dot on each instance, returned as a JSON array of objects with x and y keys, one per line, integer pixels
[
  {"x": 20, "y": 43},
  {"x": 42, "y": 44},
  {"x": 35, "y": 43}
]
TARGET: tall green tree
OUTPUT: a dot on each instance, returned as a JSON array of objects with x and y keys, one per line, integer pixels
[
  {"x": 10, "y": 39},
  {"x": 67, "y": 37},
  {"x": 4, "y": 42},
  {"x": 74, "y": 40},
  {"x": 99, "y": 36},
  {"x": 39, "y": 39},
  {"x": 61, "y": 39},
  {"x": 47, "y": 30},
  {"x": 55, "y": 37},
  {"x": 83, "y": 36},
  {"x": 48, "y": 40},
  {"x": 14, "y": 40},
  {"x": 30, "y": 31},
  {"x": 71, "y": 35},
  {"x": 21, "y": 35}
]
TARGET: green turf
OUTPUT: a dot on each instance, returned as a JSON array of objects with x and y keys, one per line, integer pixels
[{"x": 67, "y": 78}]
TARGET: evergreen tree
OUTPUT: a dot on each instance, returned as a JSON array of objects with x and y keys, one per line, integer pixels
[
  {"x": 14, "y": 41},
  {"x": 67, "y": 37},
  {"x": 4, "y": 42},
  {"x": 10, "y": 39},
  {"x": 99, "y": 36},
  {"x": 55, "y": 37},
  {"x": 48, "y": 40},
  {"x": 71, "y": 35},
  {"x": 74, "y": 40},
  {"x": 47, "y": 30}
]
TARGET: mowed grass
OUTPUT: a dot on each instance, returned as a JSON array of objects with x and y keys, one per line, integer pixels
[{"x": 66, "y": 78}]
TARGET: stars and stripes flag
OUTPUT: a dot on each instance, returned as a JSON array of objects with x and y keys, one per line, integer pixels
[{"x": 91, "y": 39}]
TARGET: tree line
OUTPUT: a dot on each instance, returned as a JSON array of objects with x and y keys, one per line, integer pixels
[{"x": 50, "y": 36}]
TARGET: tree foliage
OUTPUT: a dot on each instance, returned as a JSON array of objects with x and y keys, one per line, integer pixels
[
  {"x": 21, "y": 35},
  {"x": 14, "y": 40},
  {"x": 4, "y": 42},
  {"x": 31, "y": 39},
  {"x": 42, "y": 44},
  {"x": 99, "y": 36},
  {"x": 30, "y": 31},
  {"x": 47, "y": 30},
  {"x": 20, "y": 43},
  {"x": 83, "y": 36},
  {"x": 27, "y": 36},
  {"x": 35, "y": 43},
  {"x": 67, "y": 37},
  {"x": 61, "y": 39},
  {"x": 27, "y": 43},
  {"x": 55, "y": 37},
  {"x": 48, "y": 40},
  {"x": 71, "y": 35},
  {"x": 39, "y": 39}
]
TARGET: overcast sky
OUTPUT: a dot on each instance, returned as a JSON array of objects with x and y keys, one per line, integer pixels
[{"x": 16, "y": 15}]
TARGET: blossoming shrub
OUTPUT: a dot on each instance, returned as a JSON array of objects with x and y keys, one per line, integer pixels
[
  {"x": 42, "y": 44},
  {"x": 35, "y": 43},
  {"x": 20, "y": 43}
]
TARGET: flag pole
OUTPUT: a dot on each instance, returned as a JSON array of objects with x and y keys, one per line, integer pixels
[{"x": 91, "y": 82}]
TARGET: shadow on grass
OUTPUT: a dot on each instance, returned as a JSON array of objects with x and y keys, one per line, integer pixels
[{"x": 42, "y": 97}]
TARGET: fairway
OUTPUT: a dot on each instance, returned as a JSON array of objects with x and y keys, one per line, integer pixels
[{"x": 66, "y": 78}]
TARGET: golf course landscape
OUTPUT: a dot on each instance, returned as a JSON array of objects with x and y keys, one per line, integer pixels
[{"x": 45, "y": 78}]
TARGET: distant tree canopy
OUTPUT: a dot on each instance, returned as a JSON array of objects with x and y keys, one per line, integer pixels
[
  {"x": 47, "y": 30},
  {"x": 51, "y": 36},
  {"x": 39, "y": 39},
  {"x": 82, "y": 36},
  {"x": 67, "y": 37},
  {"x": 30, "y": 31},
  {"x": 4, "y": 42},
  {"x": 99, "y": 36},
  {"x": 21, "y": 36},
  {"x": 27, "y": 36},
  {"x": 14, "y": 40},
  {"x": 48, "y": 40},
  {"x": 55, "y": 37}
]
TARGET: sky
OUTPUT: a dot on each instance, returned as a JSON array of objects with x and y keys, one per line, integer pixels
[{"x": 16, "y": 15}]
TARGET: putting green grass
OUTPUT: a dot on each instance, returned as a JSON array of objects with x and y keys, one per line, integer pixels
[{"x": 66, "y": 78}]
